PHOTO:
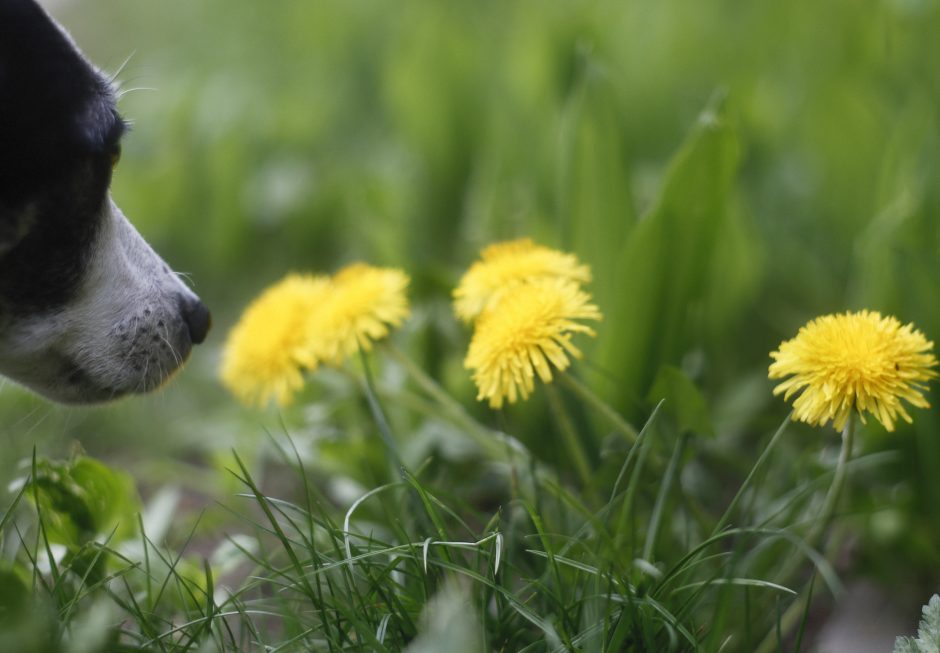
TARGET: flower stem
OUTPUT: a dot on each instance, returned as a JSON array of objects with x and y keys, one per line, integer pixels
[
  {"x": 385, "y": 431},
  {"x": 570, "y": 436},
  {"x": 494, "y": 443},
  {"x": 429, "y": 385},
  {"x": 822, "y": 523},
  {"x": 838, "y": 481},
  {"x": 601, "y": 406}
]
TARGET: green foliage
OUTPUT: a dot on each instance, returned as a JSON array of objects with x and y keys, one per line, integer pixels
[
  {"x": 684, "y": 403},
  {"x": 13, "y": 595},
  {"x": 928, "y": 632},
  {"x": 82, "y": 500},
  {"x": 412, "y": 562},
  {"x": 667, "y": 261}
]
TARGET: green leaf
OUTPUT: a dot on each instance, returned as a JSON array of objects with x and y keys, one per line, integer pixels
[
  {"x": 594, "y": 199},
  {"x": 667, "y": 266},
  {"x": 906, "y": 645},
  {"x": 82, "y": 500},
  {"x": 683, "y": 401},
  {"x": 27, "y": 620},
  {"x": 928, "y": 632},
  {"x": 13, "y": 594}
]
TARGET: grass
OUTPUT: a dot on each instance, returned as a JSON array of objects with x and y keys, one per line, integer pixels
[{"x": 625, "y": 558}]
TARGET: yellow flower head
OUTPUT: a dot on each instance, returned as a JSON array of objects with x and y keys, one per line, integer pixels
[
  {"x": 854, "y": 361},
  {"x": 504, "y": 265},
  {"x": 267, "y": 350},
  {"x": 528, "y": 327},
  {"x": 363, "y": 302}
]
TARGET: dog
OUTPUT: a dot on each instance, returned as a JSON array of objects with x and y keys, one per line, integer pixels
[{"x": 88, "y": 311}]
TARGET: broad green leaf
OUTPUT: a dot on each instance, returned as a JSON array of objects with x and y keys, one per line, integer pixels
[
  {"x": 595, "y": 206},
  {"x": 669, "y": 259},
  {"x": 13, "y": 594},
  {"x": 683, "y": 401},
  {"x": 83, "y": 500},
  {"x": 26, "y": 619}
]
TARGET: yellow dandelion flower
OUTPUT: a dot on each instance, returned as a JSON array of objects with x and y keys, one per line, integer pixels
[
  {"x": 854, "y": 361},
  {"x": 510, "y": 263},
  {"x": 364, "y": 301},
  {"x": 268, "y": 349},
  {"x": 527, "y": 328}
]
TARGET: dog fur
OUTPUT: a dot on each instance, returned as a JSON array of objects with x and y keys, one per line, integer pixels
[{"x": 88, "y": 311}]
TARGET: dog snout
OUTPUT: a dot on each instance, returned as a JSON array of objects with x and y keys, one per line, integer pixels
[{"x": 197, "y": 318}]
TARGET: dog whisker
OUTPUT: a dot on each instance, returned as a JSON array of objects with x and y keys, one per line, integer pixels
[
  {"x": 121, "y": 92},
  {"x": 187, "y": 277},
  {"x": 120, "y": 69},
  {"x": 142, "y": 381},
  {"x": 176, "y": 357}
]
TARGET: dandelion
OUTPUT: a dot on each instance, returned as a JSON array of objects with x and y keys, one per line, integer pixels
[
  {"x": 504, "y": 265},
  {"x": 526, "y": 331},
  {"x": 363, "y": 302},
  {"x": 267, "y": 351},
  {"x": 854, "y": 361}
]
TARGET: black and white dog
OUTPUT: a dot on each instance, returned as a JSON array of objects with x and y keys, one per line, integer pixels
[{"x": 88, "y": 311}]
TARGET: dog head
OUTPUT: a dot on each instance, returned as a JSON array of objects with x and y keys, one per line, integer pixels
[{"x": 88, "y": 311}]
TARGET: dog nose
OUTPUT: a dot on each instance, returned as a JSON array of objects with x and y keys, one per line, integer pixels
[{"x": 197, "y": 318}]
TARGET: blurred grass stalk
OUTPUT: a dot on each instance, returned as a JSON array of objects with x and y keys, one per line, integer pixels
[{"x": 797, "y": 613}]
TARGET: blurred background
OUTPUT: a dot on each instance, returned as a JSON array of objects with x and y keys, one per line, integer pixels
[{"x": 286, "y": 135}]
